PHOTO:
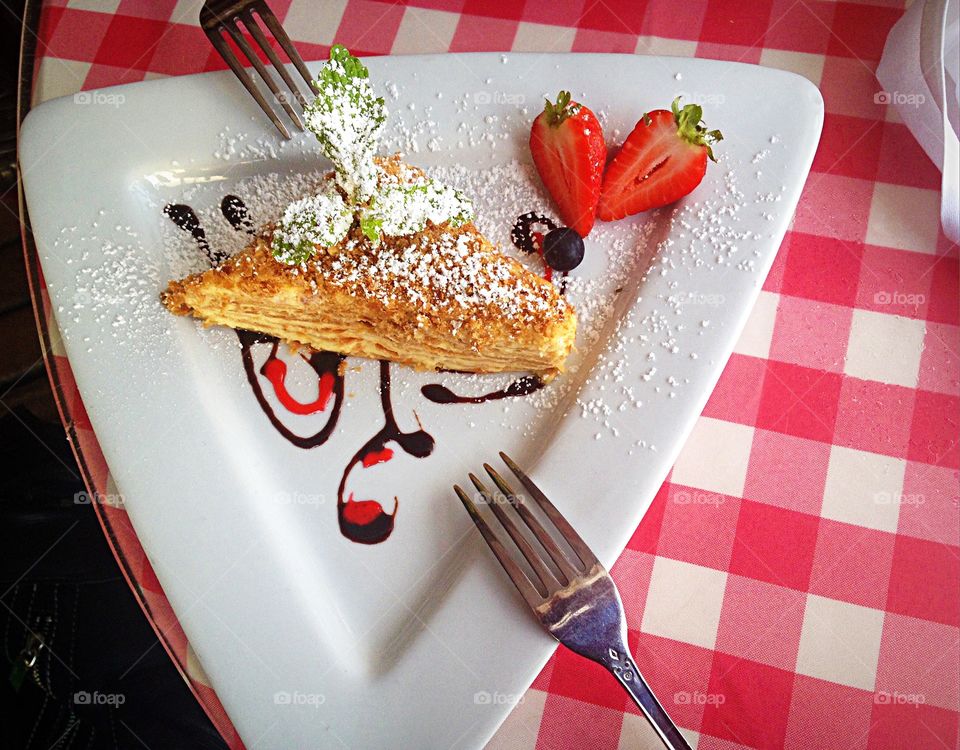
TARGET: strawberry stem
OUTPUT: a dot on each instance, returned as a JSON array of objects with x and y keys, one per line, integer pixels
[
  {"x": 691, "y": 128},
  {"x": 564, "y": 108}
]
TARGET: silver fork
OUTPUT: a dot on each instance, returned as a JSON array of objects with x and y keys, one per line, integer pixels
[
  {"x": 220, "y": 17},
  {"x": 577, "y": 603}
]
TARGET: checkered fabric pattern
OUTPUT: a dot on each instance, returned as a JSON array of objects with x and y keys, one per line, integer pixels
[{"x": 796, "y": 582}]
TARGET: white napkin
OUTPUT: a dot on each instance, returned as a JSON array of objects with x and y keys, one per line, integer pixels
[{"x": 919, "y": 74}]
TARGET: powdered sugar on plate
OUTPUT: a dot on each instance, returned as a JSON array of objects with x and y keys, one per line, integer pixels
[
  {"x": 673, "y": 245},
  {"x": 620, "y": 256}
]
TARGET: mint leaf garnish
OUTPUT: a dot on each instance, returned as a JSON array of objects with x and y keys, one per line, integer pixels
[
  {"x": 398, "y": 209},
  {"x": 371, "y": 226},
  {"x": 320, "y": 220},
  {"x": 348, "y": 119}
]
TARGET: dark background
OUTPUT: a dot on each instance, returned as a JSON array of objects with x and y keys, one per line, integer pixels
[
  {"x": 81, "y": 666},
  {"x": 23, "y": 381}
]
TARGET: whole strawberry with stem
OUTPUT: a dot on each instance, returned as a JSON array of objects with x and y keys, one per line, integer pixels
[
  {"x": 662, "y": 160},
  {"x": 566, "y": 141}
]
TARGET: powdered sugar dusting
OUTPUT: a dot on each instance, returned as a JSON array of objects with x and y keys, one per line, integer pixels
[
  {"x": 621, "y": 256},
  {"x": 451, "y": 272},
  {"x": 347, "y": 119},
  {"x": 629, "y": 349}
]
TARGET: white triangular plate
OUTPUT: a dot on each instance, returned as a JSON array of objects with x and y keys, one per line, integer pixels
[{"x": 309, "y": 639}]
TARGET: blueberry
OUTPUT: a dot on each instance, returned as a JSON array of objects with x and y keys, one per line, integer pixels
[{"x": 563, "y": 249}]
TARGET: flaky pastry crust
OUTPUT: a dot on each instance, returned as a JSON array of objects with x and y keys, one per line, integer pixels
[{"x": 444, "y": 298}]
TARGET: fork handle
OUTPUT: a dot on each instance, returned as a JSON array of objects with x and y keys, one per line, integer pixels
[{"x": 622, "y": 666}]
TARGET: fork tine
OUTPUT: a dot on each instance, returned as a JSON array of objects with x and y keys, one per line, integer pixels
[
  {"x": 543, "y": 536},
  {"x": 566, "y": 530},
  {"x": 220, "y": 44},
  {"x": 280, "y": 35},
  {"x": 231, "y": 27},
  {"x": 257, "y": 33},
  {"x": 519, "y": 578},
  {"x": 547, "y": 580}
]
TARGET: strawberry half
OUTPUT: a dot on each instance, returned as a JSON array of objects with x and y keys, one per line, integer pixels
[
  {"x": 566, "y": 141},
  {"x": 662, "y": 160}
]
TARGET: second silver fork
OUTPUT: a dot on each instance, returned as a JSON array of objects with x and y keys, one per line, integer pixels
[
  {"x": 220, "y": 17},
  {"x": 577, "y": 603}
]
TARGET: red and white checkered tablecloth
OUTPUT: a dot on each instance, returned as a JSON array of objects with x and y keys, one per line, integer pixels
[{"x": 796, "y": 582}]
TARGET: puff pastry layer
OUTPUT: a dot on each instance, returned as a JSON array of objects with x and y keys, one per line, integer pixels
[{"x": 444, "y": 298}]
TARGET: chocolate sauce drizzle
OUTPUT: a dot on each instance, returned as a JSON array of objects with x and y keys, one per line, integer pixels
[
  {"x": 235, "y": 211},
  {"x": 524, "y": 386},
  {"x": 361, "y": 521},
  {"x": 522, "y": 234},
  {"x": 321, "y": 362},
  {"x": 186, "y": 218},
  {"x": 377, "y": 524}
]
